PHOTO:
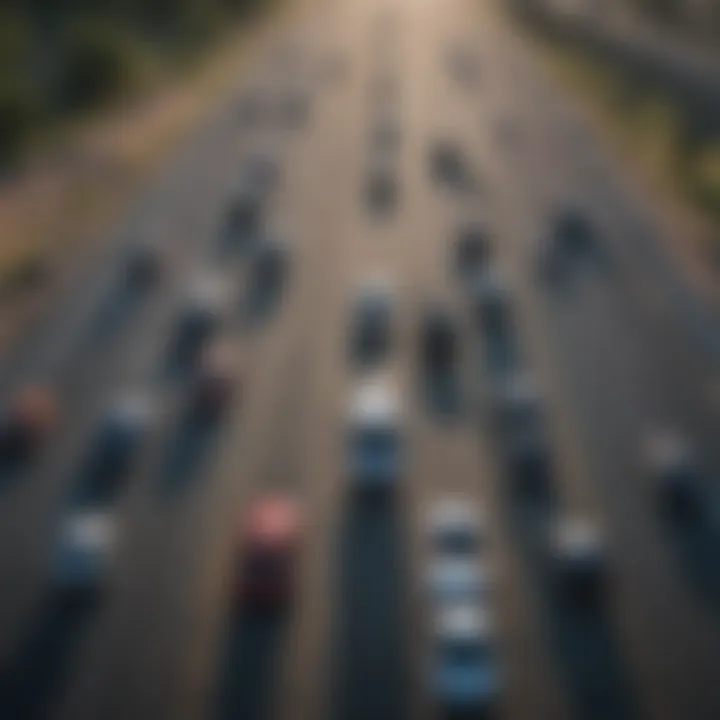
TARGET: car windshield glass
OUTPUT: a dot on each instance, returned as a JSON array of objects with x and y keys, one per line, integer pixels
[
  {"x": 468, "y": 652},
  {"x": 375, "y": 441}
]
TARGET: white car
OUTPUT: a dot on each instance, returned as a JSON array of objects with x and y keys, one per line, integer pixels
[
  {"x": 578, "y": 555},
  {"x": 467, "y": 678},
  {"x": 673, "y": 469},
  {"x": 491, "y": 299},
  {"x": 518, "y": 400},
  {"x": 456, "y": 527},
  {"x": 375, "y": 447},
  {"x": 206, "y": 304},
  {"x": 85, "y": 550},
  {"x": 453, "y": 580}
]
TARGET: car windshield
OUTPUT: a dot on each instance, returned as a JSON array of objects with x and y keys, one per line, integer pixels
[
  {"x": 468, "y": 652},
  {"x": 376, "y": 441}
]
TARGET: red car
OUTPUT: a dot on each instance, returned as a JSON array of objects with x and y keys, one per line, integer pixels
[{"x": 270, "y": 544}]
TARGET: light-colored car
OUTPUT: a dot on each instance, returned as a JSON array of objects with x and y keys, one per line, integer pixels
[
  {"x": 491, "y": 299},
  {"x": 271, "y": 260},
  {"x": 84, "y": 552},
  {"x": 673, "y": 469},
  {"x": 123, "y": 428},
  {"x": 375, "y": 445},
  {"x": 452, "y": 580},
  {"x": 455, "y": 526},
  {"x": 467, "y": 676},
  {"x": 206, "y": 304},
  {"x": 518, "y": 401},
  {"x": 578, "y": 556}
]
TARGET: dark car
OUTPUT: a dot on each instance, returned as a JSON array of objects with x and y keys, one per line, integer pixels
[
  {"x": 572, "y": 230},
  {"x": 269, "y": 546},
  {"x": 216, "y": 380},
  {"x": 28, "y": 419},
  {"x": 439, "y": 342},
  {"x": 472, "y": 248},
  {"x": 143, "y": 265},
  {"x": 244, "y": 216},
  {"x": 271, "y": 261}
]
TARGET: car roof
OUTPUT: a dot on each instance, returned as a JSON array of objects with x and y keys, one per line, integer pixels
[
  {"x": 464, "y": 622},
  {"x": 208, "y": 289},
  {"x": 375, "y": 402},
  {"x": 374, "y": 286},
  {"x": 274, "y": 519},
  {"x": 132, "y": 408},
  {"x": 89, "y": 529},
  {"x": 665, "y": 449},
  {"x": 578, "y": 538},
  {"x": 454, "y": 510}
]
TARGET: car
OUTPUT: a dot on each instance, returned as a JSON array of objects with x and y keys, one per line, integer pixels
[
  {"x": 244, "y": 216},
  {"x": 518, "y": 401},
  {"x": 572, "y": 230},
  {"x": 578, "y": 557},
  {"x": 467, "y": 677},
  {"x": 447, "y": 162},
  {"x": 28, "y": 419},
  {"x": 269, "y": 545},
  {"x": 84, "y": 553},
  {"x": 271, "y": 261},
  {"x": 261, "y": 171},
  {"x": 672, "y": 467},
  {"x": 123, "y": 428},
  {"x": 473, "y": 248},
  {"x": 216, "y": 380},
  {"x": 381, "y": 187},
  {"x": 375, "y": 448},
  {"x": 143, "y": 265},
  {"x": 439, "y": 341},
  {"x": 491, "y": 299},
  {"x": 458, "y": 579},
  {"x": 204, "y": 308},
  {"x": 455, "y": 527},
  {"x": 372, "y": 324},
  {"x": 529, "y": 454}
]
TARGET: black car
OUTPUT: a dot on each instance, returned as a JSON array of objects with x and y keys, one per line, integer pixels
[
  {"x": 439, "y": 341},
  {"x": 472, "y": 248}
]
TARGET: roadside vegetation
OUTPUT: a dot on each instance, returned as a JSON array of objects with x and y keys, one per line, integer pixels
[
  {"x": 63, "y": 58},
  {"x": 649, "y": 126}
]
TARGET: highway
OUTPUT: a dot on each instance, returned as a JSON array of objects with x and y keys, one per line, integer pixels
[{"x": 622, "y": 346}]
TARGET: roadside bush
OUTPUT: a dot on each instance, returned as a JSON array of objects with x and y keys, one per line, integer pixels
[
  {"x": 98, "y": 62},
  {"x": 19, "y": 114}
]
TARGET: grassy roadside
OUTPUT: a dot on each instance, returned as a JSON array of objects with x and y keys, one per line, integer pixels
[
  {"x": 59, "y": 205},
  {"x": 650, "y": 133}
]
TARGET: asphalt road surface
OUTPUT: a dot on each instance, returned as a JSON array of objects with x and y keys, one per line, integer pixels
[{"x": 621, "y": 346}]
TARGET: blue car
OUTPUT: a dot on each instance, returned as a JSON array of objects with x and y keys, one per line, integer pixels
[
  {"x": 467, "y": 678},
  {"x": 375, "y": 447},
  {"x": 85, "y": 548}
]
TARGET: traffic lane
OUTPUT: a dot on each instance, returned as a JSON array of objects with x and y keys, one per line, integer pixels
[
  {"x": 534, "y": 683},
  {"x": 621, "y": 510},
  {"x": 133, "y": 367},
  {"x": 163, "y": 583},
  {"x": 304, "y": 689},
  {"x": 30, "y": 506}
]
